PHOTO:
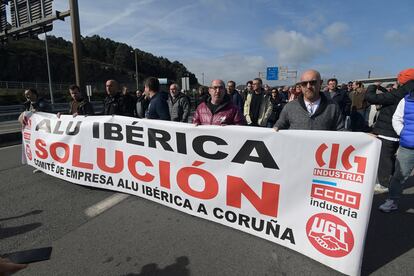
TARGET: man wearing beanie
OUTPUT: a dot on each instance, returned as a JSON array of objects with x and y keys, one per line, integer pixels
[{"x": 403, "y": 124}]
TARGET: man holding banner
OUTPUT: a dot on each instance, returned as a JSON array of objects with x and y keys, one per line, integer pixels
[{"x": 312, "y": 110}]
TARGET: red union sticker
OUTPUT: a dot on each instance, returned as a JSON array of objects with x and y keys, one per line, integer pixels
[
  {"x": 28, "y": 152},
  {"x": 330, "y": 235},
  {"x": 26, "y": 136}
]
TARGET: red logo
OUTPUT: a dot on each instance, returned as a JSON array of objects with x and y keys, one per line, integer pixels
[
  {"x": 26, "y": 136},
  {"x": 28, "y": 152},
  {"x": 358, "y": 164},
  {"x": 27, "y": 122},
  {"x": 336, "y": 195},
  {"x": 330, "y": 235}
]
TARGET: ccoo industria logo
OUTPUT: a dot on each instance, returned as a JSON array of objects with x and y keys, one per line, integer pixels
[
  {"x": 336, "y": 162},
  {"x": 330, "y": 235}
]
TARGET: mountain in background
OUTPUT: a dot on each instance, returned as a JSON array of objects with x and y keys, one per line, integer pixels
[{"x": 102, "y": 59}]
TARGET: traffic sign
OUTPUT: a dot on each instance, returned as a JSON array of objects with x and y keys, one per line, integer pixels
[{"x": 272, "y": 73}]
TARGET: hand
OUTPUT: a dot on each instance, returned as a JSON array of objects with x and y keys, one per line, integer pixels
[
  {"x": 58, "y": 114},
  {"x": 7, "y": 267},
  {"x": 276, "y": 129},
  {"x": 75, "y": 114}
]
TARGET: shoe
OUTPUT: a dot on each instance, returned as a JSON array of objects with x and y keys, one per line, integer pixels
[
  {"x": 388, "y": 206},
  {"x": 36, "y": 171},
  {"x": 379, "y": 189}
]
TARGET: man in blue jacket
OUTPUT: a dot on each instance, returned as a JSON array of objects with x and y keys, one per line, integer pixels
[{"x": 158, "y": 106}]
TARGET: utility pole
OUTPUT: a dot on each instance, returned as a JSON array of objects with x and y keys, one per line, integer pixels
[
  {"x": 48, "y": 72},
  {"x": 136, "y": 66},
  {"x": 203, "y": 77},
  {"x": 76, "y": 39},
  {"x": 369, "y": 74}
]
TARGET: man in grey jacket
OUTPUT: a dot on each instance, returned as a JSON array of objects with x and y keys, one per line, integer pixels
[
  {"x": 312, "y": 110},
  {"x": 178, "y": 104}
]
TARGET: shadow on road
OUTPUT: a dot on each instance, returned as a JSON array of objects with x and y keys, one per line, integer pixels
[
  {"x": 8, "y": 232},
  {"x": 389, "y": 235},
  {"x": 34, "y": 212},
  {"x": 177, "y": 269}
]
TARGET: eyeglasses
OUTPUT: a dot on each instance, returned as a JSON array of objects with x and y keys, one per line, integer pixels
[
  {"x": 216, "y": 87},
  {"x": 311, "y": 83}
]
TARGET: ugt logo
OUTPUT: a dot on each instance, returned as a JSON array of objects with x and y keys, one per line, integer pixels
[
  {"x": 330, "y": 235},
  {"x": 328, "y": 163}
]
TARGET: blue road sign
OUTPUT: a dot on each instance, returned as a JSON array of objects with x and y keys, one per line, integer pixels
[{"x": 272, "y": 73}]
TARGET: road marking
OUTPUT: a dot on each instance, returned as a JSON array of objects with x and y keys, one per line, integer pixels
[
  {"x": 18, "y": 145},
  {"x": 105, "y": 204}
]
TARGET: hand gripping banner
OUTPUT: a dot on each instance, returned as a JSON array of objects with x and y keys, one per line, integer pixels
[{"x": 310, "y": 191}]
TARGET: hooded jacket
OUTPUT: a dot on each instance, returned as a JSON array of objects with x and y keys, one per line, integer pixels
[{"x": 179, "y": 107}]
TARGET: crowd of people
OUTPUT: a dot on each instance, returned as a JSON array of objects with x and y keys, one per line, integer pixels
[{"x": 385, "y": 112}]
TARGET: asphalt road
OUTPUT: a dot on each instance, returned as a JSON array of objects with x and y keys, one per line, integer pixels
[{"x": 140, "y": 237}]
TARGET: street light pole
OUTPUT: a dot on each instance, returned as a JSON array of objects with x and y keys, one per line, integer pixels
[
  {"x": 48, "y": 72},
  {"x": 136, "y": 66}
]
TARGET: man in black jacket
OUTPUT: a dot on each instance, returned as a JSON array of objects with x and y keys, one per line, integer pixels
[
  {"x": 384, "y": 130},
  {"x": 339, "y": 96},
  {"x": 115, "y": 103},
  {"x": 79, "y": 105}
]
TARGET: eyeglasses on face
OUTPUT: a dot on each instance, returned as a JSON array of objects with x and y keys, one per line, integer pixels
[
  {"x": 311, "y": 83},
  {"x": 217, "y": 87}
]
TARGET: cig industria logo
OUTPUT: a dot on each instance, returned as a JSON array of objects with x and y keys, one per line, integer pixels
[{"x": 337, "y": 161}]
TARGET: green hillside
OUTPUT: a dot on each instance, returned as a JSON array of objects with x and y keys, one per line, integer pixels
[{"x": 103, "y": 58}]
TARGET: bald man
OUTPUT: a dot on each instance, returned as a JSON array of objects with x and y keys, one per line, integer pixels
[
  {"x": 115, "y": 102},
  {"x": 312, "y": 110}
]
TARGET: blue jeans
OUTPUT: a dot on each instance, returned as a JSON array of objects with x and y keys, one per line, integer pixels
[{"x": 404, "y": 164}]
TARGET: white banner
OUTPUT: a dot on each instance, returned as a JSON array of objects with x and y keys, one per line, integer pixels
[{"x": 310, "y": 191}]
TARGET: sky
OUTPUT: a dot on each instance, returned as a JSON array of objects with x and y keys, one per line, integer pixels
[{"x": 237, "y": 39}]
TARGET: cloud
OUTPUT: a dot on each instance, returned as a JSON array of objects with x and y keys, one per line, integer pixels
[
  {"x": 399, "y": 38},
  {"x": 294, "y": 47},
  {"x": 121, "y": 16},
  {"x": 337, "y": 33},
  {"x": 231, "y": 67}
]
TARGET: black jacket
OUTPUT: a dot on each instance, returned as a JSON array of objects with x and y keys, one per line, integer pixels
[
  {"x": 119, "y": 105},
  {"x": 342, "y": 99},
  {"x": 158, "y": 107},
  {"x": 389, "y": 102}
]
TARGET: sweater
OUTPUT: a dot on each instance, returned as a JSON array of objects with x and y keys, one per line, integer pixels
[{"x": 295, "y": 115}]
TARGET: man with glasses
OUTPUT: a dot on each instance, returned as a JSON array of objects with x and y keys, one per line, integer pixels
[
  {"x": 257, "y": 108},
  {"x": 312, "y": 110},
  {"x": 218, "y": 109}
]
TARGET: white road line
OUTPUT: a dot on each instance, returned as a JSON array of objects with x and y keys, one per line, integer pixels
[{"x": 105, "y": 204}]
